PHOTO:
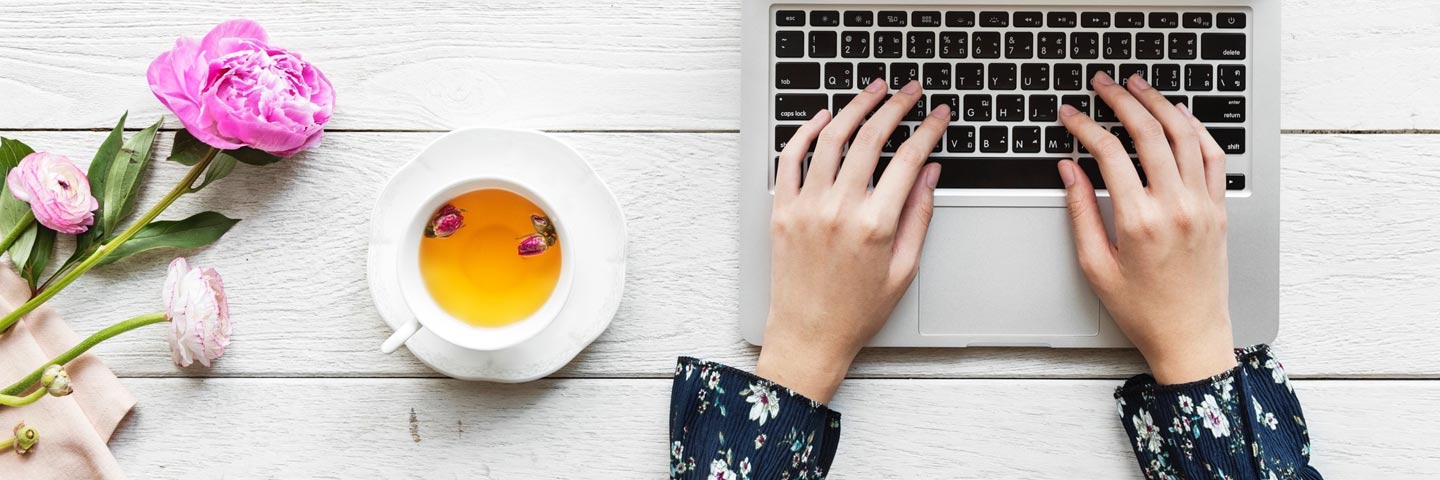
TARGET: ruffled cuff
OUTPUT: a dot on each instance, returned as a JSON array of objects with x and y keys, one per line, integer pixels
[
  {"x": 730, "y": 424},
  {"x": 1243, "y": 423}
]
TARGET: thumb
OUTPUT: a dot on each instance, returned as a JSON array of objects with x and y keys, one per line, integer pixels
[
  {"x": 915, "y": 221},
  {"x": 1097, "y": 255}
]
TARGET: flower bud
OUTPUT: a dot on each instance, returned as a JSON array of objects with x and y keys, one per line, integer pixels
[
  {"x": 533, "y": 245},
  {"x": 56, "y": 381},
  {"x": 25, "y": 438},
  {"x": 445, "y": 222}
]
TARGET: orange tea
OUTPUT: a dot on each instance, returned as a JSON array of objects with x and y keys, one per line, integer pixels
[{"x": 490, "y": 257}]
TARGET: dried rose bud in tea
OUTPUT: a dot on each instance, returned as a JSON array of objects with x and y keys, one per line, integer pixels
[{"x": 445, "y": 222}]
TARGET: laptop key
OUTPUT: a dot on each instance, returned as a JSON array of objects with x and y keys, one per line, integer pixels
[
  {"x": 867, "y": 73},
  {"x": 920, "y": 44},
  {"x": 1180, "y": 99},
  {"x": 789, "y": 18},
  {"x": 1044, "y": 108},
  {"x": 825, "y": 18},
  {"x": 1050, "y": 45},
  {"x": 1232, "y": 140},
  {"x": 925, "y": 19},
  {"x": 1092, "y": 171},
  {"x": 859, "y": 18},
  {"x": 789, "y": 44},
  {"x": 1103, "y": 112},
  {"x": 1182, "y": 46},
  {"x": 1059, "y": 140},
  {"x": 977, "y": 108},
  {"x": 1230, "y": 20},
  {"x": 1129, "y": 69},
  {"x": 994, "y": 19},
  {"x": 1233, "y": 181},
  {"x": 937, "y": 76},
  {"x": 822, "y": 44},
  {"x": 1198, "y": 20},
  {"x": 917, "y": 112},
  {"x": 889, "y": 44},
  {"x": 1166, "y": 77},
  {"x": 990, "y": 173},
  {"x": 855, "y": 44},
  {"x": 1068, "y": 76},
  {"x": 1129, "y": 20},
  {"x": 953, "y": 44},
  {"x": 797, "y": 75},
  {"x": 1095, "y": 19},
  {"x": 783, "y": 134},
  {"x": 897, "y": 138},
  {"x": 1231, "y": 78},
  {"x": 1164, "y": 20},
  {"x": 1222, "y": 46},
  {"x": 969, "y": 76},
  {"x": 1035, "y": 76},
  {"x": 960, "y": 19},
  {"x": 800, "y": 106},
  {"x": 839, "y": 76},
  {"x": 1080, "y": 102},
  {"x": 1010, "y": 108},
  {"x": 1002, "y": 76},
  {"x": 1199, "y": 78},
  {"x": 1029, "y": 19},
  {"x": 1117, "y": 46},
  {"x": 1061, "y": 20},
  {"x": 949, "y": 99},
  {"x": 1020, "y": 45},
  {"x": 903, "y": 73},
  {"x": 1149, "y": 46},
  {"x": 994, "y": 139},
  {"x": 1025, "y": 140},
  {"x": 986, "y": 44},
  {"x": 1218, "y": 109},
  {"x": 892, "y": 19},
  {"x": 1091, "y": 69},
  {"x": 840, "y": 101},
  {"x": 960, "y": 139},
  {"x": 1084, "y": 45}
]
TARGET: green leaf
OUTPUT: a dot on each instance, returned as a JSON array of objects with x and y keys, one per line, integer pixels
[
  {"x": 252, "y": 156},
  {"x": 188, "y": 150},
  {"x": 31, "y": 252},
  {"x": 11, "y": 152},
  {"x": 197, "y": 231},
  {"x": 122, "y": 181},
  {"x": 219, "y": 168}
]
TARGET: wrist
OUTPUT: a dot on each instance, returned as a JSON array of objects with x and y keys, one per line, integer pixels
[
  {"x": 812, "y": 371},
  {"x": 1203, "y": 360}
]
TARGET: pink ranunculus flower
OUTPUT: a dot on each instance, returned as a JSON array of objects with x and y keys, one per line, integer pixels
[
  {"x": 232, "y": 89},
  {"x": 199, "y": 314},
  {"x": 58, "y": 192}
]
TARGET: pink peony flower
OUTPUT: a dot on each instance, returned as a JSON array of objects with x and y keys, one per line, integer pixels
[
  {"x": 231, "y": 89},
  {"x": 199, "y": 314},
  {"x": 58, "y": 192}
]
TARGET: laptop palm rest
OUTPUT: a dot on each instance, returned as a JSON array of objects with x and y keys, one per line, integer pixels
[{"x": 1003, "y": 272}]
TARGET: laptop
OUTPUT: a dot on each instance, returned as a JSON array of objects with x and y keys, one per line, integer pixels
[{"x": 999, "y": 267}]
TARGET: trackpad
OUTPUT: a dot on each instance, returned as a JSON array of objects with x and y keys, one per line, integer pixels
[{"x": 1004, "y": 271}]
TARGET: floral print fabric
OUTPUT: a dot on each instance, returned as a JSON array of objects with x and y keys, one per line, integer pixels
[
  {"x": 1243, "y": 424},
  {"x": 726, "y": 424}
]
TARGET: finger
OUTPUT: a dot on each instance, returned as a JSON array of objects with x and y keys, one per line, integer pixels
[
  {"x": 1184, "y": 141},
  {"x": 792, "y": 158},
  {"x": 1213, "y": 155},
  {"x": 865, "y": 148},
  {"x": 826, "y": 160},
  {"x": 1149, "y": 136},
  {"x": 1120, "y": 176},
  {"x": 1092, "y": 246},
  {"x": 900, "y": 176},
  {"x": 915, "y": 222}
]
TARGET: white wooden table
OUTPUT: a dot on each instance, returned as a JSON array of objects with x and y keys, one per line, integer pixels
[{"x": 647, "y": 91}]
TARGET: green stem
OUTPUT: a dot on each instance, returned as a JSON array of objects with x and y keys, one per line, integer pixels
[
  {"x": 20, "y": 228},
  {"x": 104, "y": 251},
  {"x": 14, "y": 401},
  {"x": 7, "y": 443},
  {"x": 82, "y": 347}
]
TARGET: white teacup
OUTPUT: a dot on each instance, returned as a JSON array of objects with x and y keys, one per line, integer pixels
[{"x": 426, "y": 313}]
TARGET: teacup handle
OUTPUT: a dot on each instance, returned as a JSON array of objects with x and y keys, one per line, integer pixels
[{"x": 400, "y": 336}]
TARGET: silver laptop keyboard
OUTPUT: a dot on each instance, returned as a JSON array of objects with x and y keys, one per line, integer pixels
[{"x": 1005, "y": 72}]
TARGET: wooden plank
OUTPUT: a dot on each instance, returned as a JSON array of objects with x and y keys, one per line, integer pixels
[
  {"x": 414, "y": 428},
  {"x": 633, "y": 64},
  {"x": 1361, "y": 247}
]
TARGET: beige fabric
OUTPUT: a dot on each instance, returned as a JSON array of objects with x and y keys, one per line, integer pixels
[{"x": 73, "y": 429}]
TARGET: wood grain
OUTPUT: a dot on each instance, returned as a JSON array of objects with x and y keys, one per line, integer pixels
[
  {"x": 1360, "y": 265},
  {"x": 619, "y": 65},
  {"x": 615, "y": 429}
]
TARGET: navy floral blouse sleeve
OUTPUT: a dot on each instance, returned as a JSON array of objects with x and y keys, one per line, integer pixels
[{"x": 1243, "y": 424}]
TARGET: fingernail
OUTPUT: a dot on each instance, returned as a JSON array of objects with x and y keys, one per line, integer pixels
[
  {"x": 876, "y": 86},
  {"x": 942, "y": 111},
  {"x": 1067, "y": 111},
  {"x": 1185, "y": 109},
  {"x": 1102, "y": 78},
  {"x": 1067, "y": 176},
  {"x": 932, "y": 176},
  {"x": 912, "y": 87},
  {"x": 1139, "y": 82}
]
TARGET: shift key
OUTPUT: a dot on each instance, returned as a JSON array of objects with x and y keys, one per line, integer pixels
[
  {"x": 800, "y": 106},
  {"x": 1211, "y": 109}
]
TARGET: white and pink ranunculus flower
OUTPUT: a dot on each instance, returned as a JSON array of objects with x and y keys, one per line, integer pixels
[
  {"x": 58, "y": 192},
  {"x": 199, "y": 314}
]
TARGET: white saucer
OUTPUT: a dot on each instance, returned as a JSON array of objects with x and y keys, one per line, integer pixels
[{"x": 554, "y": 171}]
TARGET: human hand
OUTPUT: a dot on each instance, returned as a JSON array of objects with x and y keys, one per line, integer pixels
[
  {"x": 1165, "y": 280},
  {"x": 841, "y": 254}
]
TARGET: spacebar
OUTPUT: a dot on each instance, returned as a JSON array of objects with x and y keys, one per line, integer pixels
[{"x": 1007, "y": 172}]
